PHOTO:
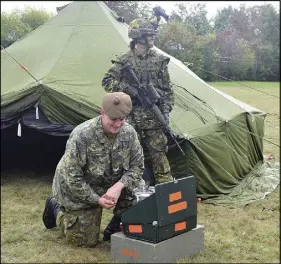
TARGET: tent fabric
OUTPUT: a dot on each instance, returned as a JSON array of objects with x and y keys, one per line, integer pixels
[
  {"x": 250, "y": 188},
  {"x": 68, "y": 57},
  {"x": 42, "y": 124},
  {"x": 39, "y": 122}
]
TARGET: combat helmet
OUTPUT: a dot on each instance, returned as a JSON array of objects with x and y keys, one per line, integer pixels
[{"x": 141, "y": 27}]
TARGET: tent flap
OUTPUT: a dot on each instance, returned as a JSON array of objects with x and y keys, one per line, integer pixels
[{"x": 261, "y": 181}]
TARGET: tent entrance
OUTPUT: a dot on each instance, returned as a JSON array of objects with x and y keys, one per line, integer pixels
[{"x": 33, "y": 150}]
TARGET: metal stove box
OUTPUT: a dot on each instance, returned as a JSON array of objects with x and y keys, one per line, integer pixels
[{"x": 170, "y": 211}]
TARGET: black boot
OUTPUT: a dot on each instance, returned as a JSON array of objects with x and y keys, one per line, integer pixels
[
  {"x": 112, "y": 227},
  {"x": 50, "y": 212}
]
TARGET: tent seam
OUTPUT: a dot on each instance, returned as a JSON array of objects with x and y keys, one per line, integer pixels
[{"x": 67, "y": 43}]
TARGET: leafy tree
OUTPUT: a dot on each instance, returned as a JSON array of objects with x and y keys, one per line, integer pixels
[
  {"x": 176, "y": 39},
  {"x": 34, "y": 18},
  {"x": 180, "y": 40},
  {"x": 12, "y": 28},
  {"x": 130, "y": 10},
  {"x": 242, "y": 59},
  {"x": 266, "y": 24},
  {"x": 197, "y": 17},
  {"x": 211, "y": 57},
  {"x": 180, "y": 13},
  {"x": 267, "y": 63},
  {"x": 222, "y": 19},
  {"x": 20, "y": 22},
  {"x": 193, "y": 15},
  {"x": 266, "y": 43},
  {"x": 251, "y": 35}
]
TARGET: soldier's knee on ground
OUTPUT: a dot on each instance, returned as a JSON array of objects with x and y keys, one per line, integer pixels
[{"x": 81, "y": 228}]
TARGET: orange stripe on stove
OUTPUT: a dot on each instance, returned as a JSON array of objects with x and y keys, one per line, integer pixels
[
  {"x": 177, "y": 207},
  {"x": 174, "y": 196},
  {"x": 135, "y": 228},
  {"x": 180, "y": 226}
]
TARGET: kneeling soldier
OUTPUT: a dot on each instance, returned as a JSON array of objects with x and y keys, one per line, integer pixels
[{"x": 102, "y": 164}]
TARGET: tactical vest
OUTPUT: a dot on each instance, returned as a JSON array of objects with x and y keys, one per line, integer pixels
[{"x": 147, "y": 69}]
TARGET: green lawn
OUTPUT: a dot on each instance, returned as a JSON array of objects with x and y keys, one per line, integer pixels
[
  {"x": 255, "y": 85},
  {"x": 242, "y": 235}
]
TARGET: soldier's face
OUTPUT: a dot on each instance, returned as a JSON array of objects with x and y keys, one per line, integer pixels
[
  {"x": 110, "y": 125},
  {"x": 147, "y": 40},
  {"x": 150, "y": 40}
]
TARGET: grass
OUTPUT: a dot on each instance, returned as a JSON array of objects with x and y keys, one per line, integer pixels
[{"x": 248, "y": 235}]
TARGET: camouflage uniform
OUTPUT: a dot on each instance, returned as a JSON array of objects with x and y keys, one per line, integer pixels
[
  {"x": 89, "y": 166},
  {"x": 150, "y": 68}
]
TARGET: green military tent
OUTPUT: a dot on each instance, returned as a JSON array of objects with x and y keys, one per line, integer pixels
[{"x": 58, "y": 86}]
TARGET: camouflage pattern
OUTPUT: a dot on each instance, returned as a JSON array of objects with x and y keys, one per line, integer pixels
[
  {"x": 140, "y": 27},
  {"x": 91, "y": 165},
  {"x": 157, "y": 146},
  {"x": 80, "y": 227},
  {"x": 150, "y": 68},
  {"x": 124, "y": 202}
]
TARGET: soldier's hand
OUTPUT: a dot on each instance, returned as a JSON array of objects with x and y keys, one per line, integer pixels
[
  {"x": 114, "y": 192},
  {"x": 105, "y": 203}
]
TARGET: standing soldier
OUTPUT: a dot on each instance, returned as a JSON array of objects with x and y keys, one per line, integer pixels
[{"x": 149, "y": 67}]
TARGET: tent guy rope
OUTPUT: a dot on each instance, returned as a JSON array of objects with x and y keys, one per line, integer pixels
[{"x": 22, "y": 66}]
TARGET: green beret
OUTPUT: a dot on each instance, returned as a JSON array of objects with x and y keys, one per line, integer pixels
[{"x": 117, "y": 105}]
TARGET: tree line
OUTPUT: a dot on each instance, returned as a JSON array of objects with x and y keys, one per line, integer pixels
[
  {"x": 237, "y": 44},
  {"x": 20, "y": 22}
]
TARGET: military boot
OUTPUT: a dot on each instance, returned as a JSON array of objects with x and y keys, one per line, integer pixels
[
  {"x": 50, "y": 212},
  {"x": 112, "y": 227}
]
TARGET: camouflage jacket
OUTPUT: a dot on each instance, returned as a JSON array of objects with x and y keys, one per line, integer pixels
[
  {"x": 150, "y": 68},
  {"x": 90, "y": 164}
]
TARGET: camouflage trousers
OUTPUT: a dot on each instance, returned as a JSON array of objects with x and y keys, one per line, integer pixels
[
  {"x": 155, "y": 142},
  {"x": 82, "y": 227}
]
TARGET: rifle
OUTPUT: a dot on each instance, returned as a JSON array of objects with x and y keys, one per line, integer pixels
[
  {"x": 148, "y": 96},
  {"x": 159, "y": 12}
]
